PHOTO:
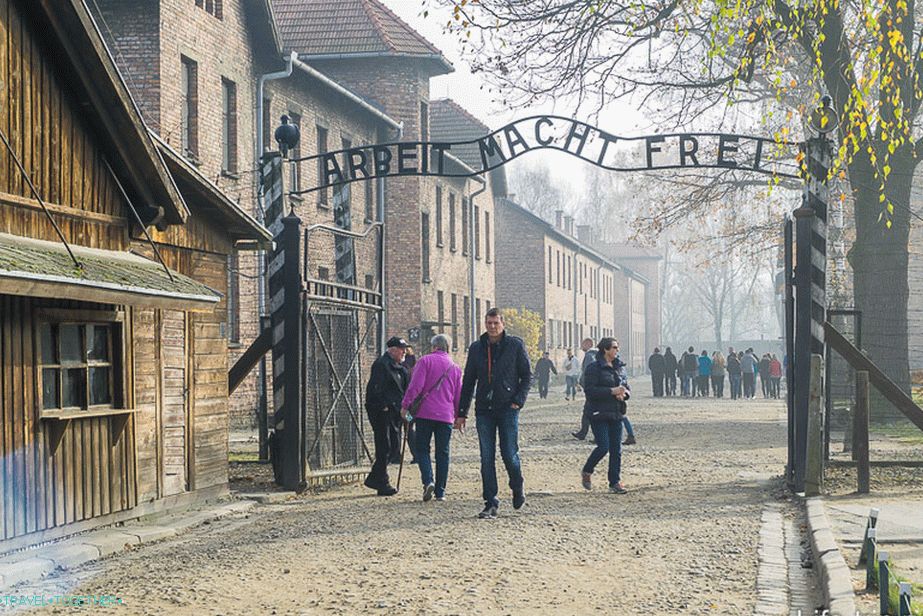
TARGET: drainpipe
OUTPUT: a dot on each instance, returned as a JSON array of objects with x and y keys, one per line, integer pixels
[
  {"x": 471, "y": 260},
  {"x": 262, "y": 385}
]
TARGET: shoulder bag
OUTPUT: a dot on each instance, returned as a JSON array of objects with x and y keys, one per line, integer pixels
[{"x": 418, "y": 401}]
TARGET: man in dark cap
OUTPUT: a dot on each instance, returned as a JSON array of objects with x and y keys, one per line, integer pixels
[{"x": 383, "y": 396}]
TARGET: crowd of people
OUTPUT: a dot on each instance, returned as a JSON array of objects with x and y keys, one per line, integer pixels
[
  {"x": 426, "y": 399},
  {"x": 702, "y": 375}
]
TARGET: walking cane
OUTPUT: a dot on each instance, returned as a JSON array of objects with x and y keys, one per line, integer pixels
[{"x": 400, "y": 469}]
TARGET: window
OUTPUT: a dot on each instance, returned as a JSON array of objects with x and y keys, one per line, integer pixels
[
  {"x": 466, "y": 312},
  {"x": 424, "y": 236},
  {"x": 452, "y": 245},
  {"x": 370, "y": 214},
  {"x": 557, "y": 260},
  {"x": 322, "y": 194},
  {"x": 550, "y": 270},
  {"x": 567, "y": 273},
  {"x": 295, "y": 154},
  {"x": 440, "y": 312},
  {"x": 268, "y": 143},
  {"x": 477, "y": 232},
  {"x": 477, "y": 311},
  {"x": 342, "y": 195},
  {"x": 424, "y": 121},
  {"x": 212, "y": 7},
  {"x": 438, "y": 216},
  {"x": 323, "y": 273},
  {"x": 487, "y": 235},
  {"x": 486, "y": 304},
  {"x": 80, "y": 365},
  {"x": 228, "y": 126},
  {"x": 465, "y": 223},
  {"x": 454, "y": 322},
  {"x": 189, "y": 108},
  {"x": 233, "y": 298}
]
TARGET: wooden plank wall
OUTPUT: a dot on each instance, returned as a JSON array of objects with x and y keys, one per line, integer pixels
[
  {"x": 58, "y": 150},
  {"x": 87, "y": 476}
]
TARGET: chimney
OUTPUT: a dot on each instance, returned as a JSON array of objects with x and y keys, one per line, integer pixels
[
  {"x": 558, "y": 219},
  {"x": 569, "y": 225},
  {"x": 583, "y": 234}
]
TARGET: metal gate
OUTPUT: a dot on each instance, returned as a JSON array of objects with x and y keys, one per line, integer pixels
[
  {"x": 341, "y": 343},
  {"x": 840, "y": 380}
]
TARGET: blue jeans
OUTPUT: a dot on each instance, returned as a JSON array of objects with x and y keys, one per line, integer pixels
[
  {"x": 608, "y": 440},
  {"x": 570, "y": 390},
  {"x": 735, "y": 385},
  {"x": 684, "y": 384},
  {"x": 506, "y": 424},
  {"x": 426, "y": 428},
  {"x": 628, "y": 430}
]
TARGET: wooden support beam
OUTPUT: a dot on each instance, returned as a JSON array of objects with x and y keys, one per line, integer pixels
[
  {"x": 861, "y": 428},
  {"x": 251, "y": 356},
  {"x": 888, "y": 388}
]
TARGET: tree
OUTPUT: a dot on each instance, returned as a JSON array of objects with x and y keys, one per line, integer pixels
[
  {"x": 528, "y": 325},
  {"x": 681, "y": 59},
  {"x": 533, "y": 188}
]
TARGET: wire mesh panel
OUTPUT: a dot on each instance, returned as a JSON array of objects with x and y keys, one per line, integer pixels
[
  {"x": 841, "y": 380},
  {"x": 337, "y": 360}
]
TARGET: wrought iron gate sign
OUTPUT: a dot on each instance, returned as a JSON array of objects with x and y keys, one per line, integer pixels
[{"x": 587, "y": 142}]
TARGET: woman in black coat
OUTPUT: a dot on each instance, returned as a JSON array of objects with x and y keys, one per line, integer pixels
[{"x": 605, "y": 405}]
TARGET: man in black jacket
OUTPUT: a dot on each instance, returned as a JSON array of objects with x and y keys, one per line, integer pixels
[
  {"x": 383, "y": 396},
  {"x": 670, "y": 365},
  {"x": 499, "y": 365},
  {"x": 543, "y": 369},
  {"x": 657, "y": 366}
]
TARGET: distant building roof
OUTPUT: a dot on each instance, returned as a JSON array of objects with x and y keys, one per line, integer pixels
[
  {"x": 350, "y": 28},
  {"x": 449, "y": 121}
]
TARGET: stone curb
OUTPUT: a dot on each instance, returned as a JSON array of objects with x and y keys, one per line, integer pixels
[
  {"x": 34, "y": 564},
  {"x": 834, "y": 575}
]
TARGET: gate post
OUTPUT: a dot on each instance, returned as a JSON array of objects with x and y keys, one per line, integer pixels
[
  {"x": 790, "y": 347},
  {"x": 811, "y": 293}
]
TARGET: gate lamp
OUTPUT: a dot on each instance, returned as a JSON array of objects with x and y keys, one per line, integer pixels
[
  {"x": 824, "y": 118},
  {"x": 286, "y": 136}
]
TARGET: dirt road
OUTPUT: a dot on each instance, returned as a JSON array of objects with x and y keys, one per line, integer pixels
[{"x": 682, "y": 541}]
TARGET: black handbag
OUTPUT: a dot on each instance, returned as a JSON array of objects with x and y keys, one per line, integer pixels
[{"x": 611, "y": 416}]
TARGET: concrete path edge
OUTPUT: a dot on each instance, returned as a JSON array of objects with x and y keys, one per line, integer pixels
[{"x": 833, "y": 574}]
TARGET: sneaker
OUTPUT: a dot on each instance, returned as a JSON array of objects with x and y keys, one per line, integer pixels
[
  {"x": 428, "y": 492},
  {"x": 587, "y": 481},
  {"x": 387, "y": 490},
  {"x": 519, "y": 499},
  {"x": 630, "y": 441},
  {"x": 440, "y": 499},
  {"x": 577, "y": 436},
  {"x": 489, "y": 513},
  {"x": 618, "y": 489}
]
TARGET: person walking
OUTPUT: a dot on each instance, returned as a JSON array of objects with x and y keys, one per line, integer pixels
[
  {"x": 384, "y": 394},
  {"x": 571, "y": 376},
  {"x": 499, "y": 365},
  {"x": 589, "y": 356},
  {"x": 775, "y": 376},
  {"x": 748, "y": 364},
  {"x": 543, "y": 369},
  {"x": 717, "y": 374},
  {"x": 657, "y": 365},
  {"x": 670, "y": 366},
  {"x": 690, "y": 370},
  {"x": 704, "y": 373},
  {"x": 436, "y": 384},
  {"x": 605, "y": 406},
  {"x": 763, "y": 369},
  {"x": 733, "y": 370}
]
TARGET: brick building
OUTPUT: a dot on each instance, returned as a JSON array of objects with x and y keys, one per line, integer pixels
[{"x": 369, "y": 50}]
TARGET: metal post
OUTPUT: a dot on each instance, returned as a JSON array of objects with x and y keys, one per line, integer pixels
[
  {"x": 871, "y": 546},
  {"x": 828, "y": 402},
  {"x": 884, "y": 588},
  {"x": 803, "y": 221},
  {"x": 861, "y": 432},
  {"x": 262, "y": 413},
  {"x": 790, "y": 347},
  {"x": 904, "y": 599},
  {"x": 871, "y": 523},
  {"x": 814, "y": 470}
]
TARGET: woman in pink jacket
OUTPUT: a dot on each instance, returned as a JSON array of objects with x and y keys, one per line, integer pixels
[{"x": 438, "y": 380}]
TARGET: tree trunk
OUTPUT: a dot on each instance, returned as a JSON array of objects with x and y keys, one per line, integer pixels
[{"x": 879, "y": 259}]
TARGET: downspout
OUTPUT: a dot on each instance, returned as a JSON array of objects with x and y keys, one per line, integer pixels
[
  {"x": 262, "y": 385},
  {"x": 471, "y": 261}
]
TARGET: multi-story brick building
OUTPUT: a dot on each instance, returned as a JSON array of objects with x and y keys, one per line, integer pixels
[{"x": 364, "y": 46}]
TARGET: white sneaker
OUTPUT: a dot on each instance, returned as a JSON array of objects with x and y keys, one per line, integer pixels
[
  {"x": 440, "y": 499},
  {"x": 428, "y": 492}
]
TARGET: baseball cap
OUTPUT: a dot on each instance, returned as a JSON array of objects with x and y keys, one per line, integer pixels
[{"x": 397, "y": 342}]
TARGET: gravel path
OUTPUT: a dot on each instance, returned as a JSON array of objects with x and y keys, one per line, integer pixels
[{"x": 683, "y": 541}]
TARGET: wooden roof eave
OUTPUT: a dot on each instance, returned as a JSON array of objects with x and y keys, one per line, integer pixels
[{"x": 97, "y": 81}]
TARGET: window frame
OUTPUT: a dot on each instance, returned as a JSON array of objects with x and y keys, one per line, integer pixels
[{"x": 114, "y": 321}]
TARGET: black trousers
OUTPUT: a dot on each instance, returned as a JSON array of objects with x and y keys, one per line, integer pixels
[
  {"x": 703, "y": 386},
  {"x": 671, "y": 385},
  {"x": 543, "y": 388},
  {"x": 749, "y": 384},
  {"x": 386, "y": 429},
  {"x": 657, "y": 383}
]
